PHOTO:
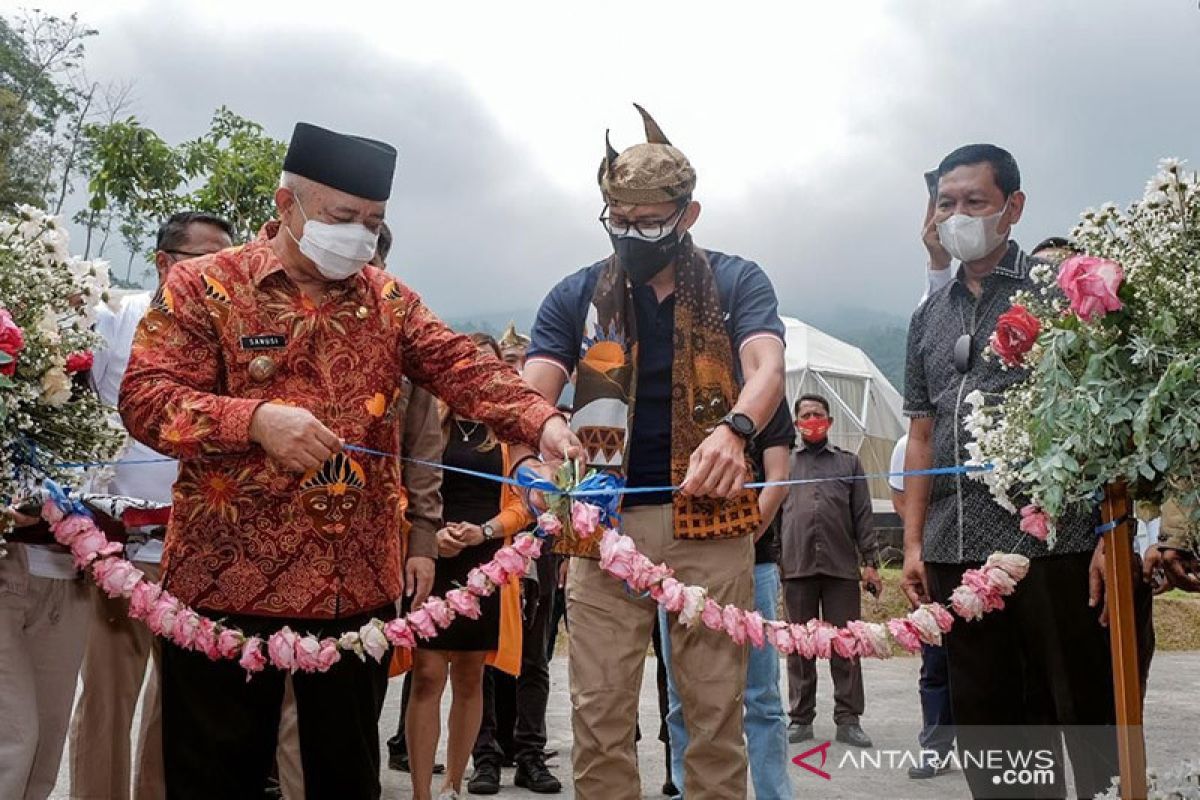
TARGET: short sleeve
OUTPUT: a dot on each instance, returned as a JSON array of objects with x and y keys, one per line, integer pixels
[
  {"x": 778, "y": 432},
  {"x": 894, "y": 480},
  {"x": 917, "y": 402},
  {"x": 558, "y": 329},
  {"x": 754, "y": 308}
]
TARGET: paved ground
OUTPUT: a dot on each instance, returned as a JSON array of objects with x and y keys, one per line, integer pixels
[{"x": 892, "y": 720}]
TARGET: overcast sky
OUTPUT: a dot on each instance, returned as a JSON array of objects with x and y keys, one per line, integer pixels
[{"x": 809, "y": 123}]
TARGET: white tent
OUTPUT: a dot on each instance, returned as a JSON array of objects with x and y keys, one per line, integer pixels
[{"x": 867, "y": 410}]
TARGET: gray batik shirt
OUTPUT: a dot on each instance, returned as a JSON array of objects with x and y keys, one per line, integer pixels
[{"x": 963, "y": 523}]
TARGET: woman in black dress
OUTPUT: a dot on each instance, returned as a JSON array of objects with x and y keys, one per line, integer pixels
[{"x": 481, "y": 516}]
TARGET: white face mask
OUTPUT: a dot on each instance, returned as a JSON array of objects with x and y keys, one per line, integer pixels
[
  {"x": 339, "y": 251},
  {"x": 970, "y": 238}
]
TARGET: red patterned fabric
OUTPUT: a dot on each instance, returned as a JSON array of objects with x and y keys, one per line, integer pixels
[{"x": 245, "y": 535}]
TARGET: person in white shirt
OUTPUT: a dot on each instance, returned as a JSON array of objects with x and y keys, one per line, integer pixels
[{"x": 118, "y": 648}]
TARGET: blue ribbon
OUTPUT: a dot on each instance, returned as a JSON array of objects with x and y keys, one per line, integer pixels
[{"x": 62, "y": 498}]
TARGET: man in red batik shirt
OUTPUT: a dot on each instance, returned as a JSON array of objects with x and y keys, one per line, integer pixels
[{"x": 254, "y": 367}]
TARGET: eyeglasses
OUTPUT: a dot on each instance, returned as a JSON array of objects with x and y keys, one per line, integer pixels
[{"x": 650, "y": 230}]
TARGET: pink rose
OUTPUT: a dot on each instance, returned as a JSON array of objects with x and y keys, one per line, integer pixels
[
  {"x": 926, "y": 625},
  {"x": 711, "y": 616},
  {"x": 51, "y": 512},
  {"x": 779, "y": 634},
  {"x": 328, "y": 655},
  {"x": 161, "y": 618},
  {"x": 1091, "y": 285},
  {"x": 69, "y": 528},
  {"x": 1035, "y": 522},
  {"x": 694, "y": 598},
  {"x": 229, "y": 642},
  {"x": 187, "y": 623},
  {"x": 90, "y": 544},
  {"x": 422, "y": 623},
  {"x": 944, "y": 619},
  {"x": 252, "y": 659},
  {"x": 463, "y": 603},
  {"x": 671, "y": 595},
  {"x": 905, "y": 634},
  {"x": 439, "y": 611},
  {"x": 206, "y": 639},
  {"x": 753, "y": 623},
  {"x": 734, "y": 623},
  {"x": 1015, "y": 565},
  {"x": 495, "y": 573},
  {"x": 142, "y": 599},
  {"x": 585, "y": 518},
  {"x": 802, "y": 636},
  {"x": 512, "y": 561},
  {"x": 308, "y": 648},
  {"x": 478, "y": 583},
  {"x": 116, "y": 576},
  {"x": 12, "y": 342},
  {"x": 527, "y": 546},
  {"x": 872, "y": 638},
  {"x": 648, "y": 575},
  {"x": 845, "y": 643},
  {"x": 550, "y": 524},
  {"x": 1000, "y": 580},
  {"x": 281, "y": 647},
  {"x": 399, "y": 633},
  {"x": 617, "y": 555},
  {"x": 822, "y": 638},
  {"x": 966, "y": 603},
  {"x": 373, "y": 640}
]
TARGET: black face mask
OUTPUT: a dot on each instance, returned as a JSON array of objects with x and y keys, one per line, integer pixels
[{"x": 643, "y": 260}]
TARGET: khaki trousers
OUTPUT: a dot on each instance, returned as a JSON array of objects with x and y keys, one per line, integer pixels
[
  {"x": 43, "y": 631},
  {"x": 610, "y": 633},
  {"x": 114, "y": 670},
  {"x": 287, "y": 751}
]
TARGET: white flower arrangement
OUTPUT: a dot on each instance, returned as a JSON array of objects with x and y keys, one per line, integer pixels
[
  {"x": 1111, "y": 350},
  {"x": 48, "y": 304}
]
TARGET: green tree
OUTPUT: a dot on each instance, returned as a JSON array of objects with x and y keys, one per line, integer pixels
[
  {"x": 136, "y": 179},
  {"x": 44, "y": 97}
]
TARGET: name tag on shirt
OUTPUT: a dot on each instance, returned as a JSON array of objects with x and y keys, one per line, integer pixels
[{"x": 264, "y": 341}]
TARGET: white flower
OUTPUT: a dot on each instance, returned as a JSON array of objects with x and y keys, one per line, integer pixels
[
  {"x": 56, "y": 386},
  {"x": 974, "y": 399},
  {"x": 374, "y": 642},
  {"x": 47, "y": 326}
]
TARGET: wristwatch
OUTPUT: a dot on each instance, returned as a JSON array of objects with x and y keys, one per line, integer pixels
[
  {"x": 740, "y": 424},
  {"x": 489, "y": 531}
]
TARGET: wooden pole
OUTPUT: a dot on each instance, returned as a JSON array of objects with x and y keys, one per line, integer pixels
[{"x": 1122, "y": 629}]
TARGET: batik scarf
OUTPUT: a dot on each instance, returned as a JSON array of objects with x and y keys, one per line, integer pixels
[{"x": 703, "y": 390}]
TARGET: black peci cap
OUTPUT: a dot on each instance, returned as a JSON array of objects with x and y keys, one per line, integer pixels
[{"x": 350, "y": 164}]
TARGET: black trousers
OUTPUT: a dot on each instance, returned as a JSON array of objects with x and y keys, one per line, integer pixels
[
  {"x": 1032, "y": 675},
  {"x": 220, "y": 730},
  {"x": 837, "y": 601},
  {"x": 514, "y": 709}
]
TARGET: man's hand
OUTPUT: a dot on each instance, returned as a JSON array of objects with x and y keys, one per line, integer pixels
[
  {"x": 1097, "y": 578},
  {"x": 939, "y": 256},
  {"x": 418, "y": 578},
  {"x": 563, "y": 566},
  {"x": 449, "y": 545},
  {"x": 1180, "y": 568},
  {"x": 18, "y": 519},
  {"x": 871, "y": 580},
  {"x": 559, "y": 443},
  {"x": 913, "y": 583},
  {"x": 293, "y": 437},
  {"x": 717, "y": 468}
]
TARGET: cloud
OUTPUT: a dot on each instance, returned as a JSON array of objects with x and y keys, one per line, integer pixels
[{"x": 1086, "y": 95}]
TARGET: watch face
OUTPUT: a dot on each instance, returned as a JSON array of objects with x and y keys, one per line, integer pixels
[{"x": 741, "y": 424}]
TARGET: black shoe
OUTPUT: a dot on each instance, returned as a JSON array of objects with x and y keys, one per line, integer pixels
[
  {"x": 853, "y": 735},
  {"x": 399, "y": 762},
  {"x": 534, "y": 776},
  {"x": 485, "y": 779},
  {"x": 798, "y": 732},
  {"x": 670, "y": 790},
  {"x": 930, "y": 769}
]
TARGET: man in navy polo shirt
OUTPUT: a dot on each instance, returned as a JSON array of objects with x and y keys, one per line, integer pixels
[{"x": 677, "y": 354}]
